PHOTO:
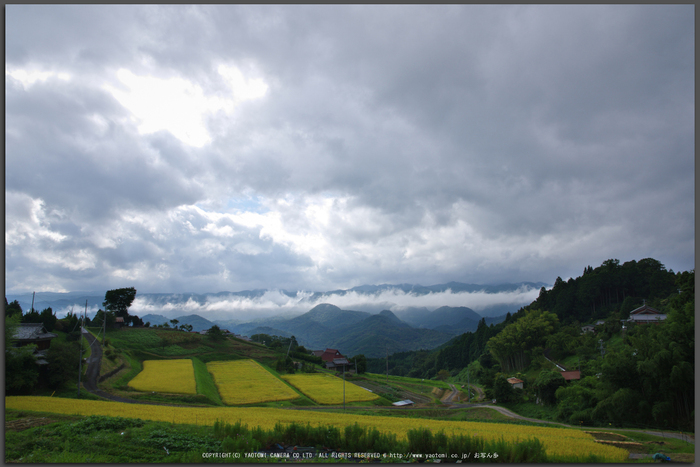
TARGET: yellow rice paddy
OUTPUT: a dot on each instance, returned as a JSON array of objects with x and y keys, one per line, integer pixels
[
  {"x": 168, "y": 376},
  {"x": 326, "y": 389},
  {"x": 247, "y": 382},
  {"x": 558, "y": 441}
]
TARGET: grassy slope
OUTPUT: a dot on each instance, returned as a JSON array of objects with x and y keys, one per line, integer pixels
[{"x": 205, "y": 383}]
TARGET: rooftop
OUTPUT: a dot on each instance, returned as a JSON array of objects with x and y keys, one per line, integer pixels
[{"x": 32, "y": 331}]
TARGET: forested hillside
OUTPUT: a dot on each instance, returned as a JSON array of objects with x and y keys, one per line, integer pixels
[{"x": 642, "y": 374}]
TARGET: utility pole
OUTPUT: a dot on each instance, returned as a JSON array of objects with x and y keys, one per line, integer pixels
[
  {"x": 343, "y": 387},
  {"x": 80, "y": 356},
  {"x": 104, "y": 327},
  {"x": 469, "y": 388},
  {"x": 387, "y": 364},
  {"x": 33, "y": 294}
]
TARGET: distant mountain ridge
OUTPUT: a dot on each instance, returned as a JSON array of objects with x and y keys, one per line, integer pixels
[
  {"x": 357, "y": 332},
  {"x": 368, "y": 331},
  {"x": 76, "y": 300}
]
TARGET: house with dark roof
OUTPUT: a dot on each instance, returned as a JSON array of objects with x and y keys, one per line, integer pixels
[
  {"x": 33, "y": 333},
  {"x": 646, "y": 314},
  {"x": 338, "y": 364}
]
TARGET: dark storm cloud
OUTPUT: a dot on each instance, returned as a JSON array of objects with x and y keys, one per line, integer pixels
[{"x": 403, "y": 143}]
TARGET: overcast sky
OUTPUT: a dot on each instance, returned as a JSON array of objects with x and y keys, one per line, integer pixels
[{"x": 233, "y": 147}]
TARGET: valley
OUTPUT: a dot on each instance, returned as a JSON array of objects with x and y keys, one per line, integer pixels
[{"x": 170, "y": 383}]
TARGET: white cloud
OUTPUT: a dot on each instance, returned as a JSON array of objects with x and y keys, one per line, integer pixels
[
  {"x": 29, "y": 77},
  {"x": 180, "y": 106},
  {"x": 276, "y": 303},
  {"x": 199, "y": 148}
]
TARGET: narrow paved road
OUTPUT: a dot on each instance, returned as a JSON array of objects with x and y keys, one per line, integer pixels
[
  {"x": 93, "y": 371},
  {"x": 511, "y": 414}
]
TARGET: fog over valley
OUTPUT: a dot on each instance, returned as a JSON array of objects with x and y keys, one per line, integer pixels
[{"x": 250, "y": 305}]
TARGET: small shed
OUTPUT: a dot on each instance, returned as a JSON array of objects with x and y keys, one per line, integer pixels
[
  {"x": 587, "y": 328},
  {"x": 569, "y": 375},
  {"x": 403, "y": 403},
  {"x": 516, "y": 383},
  {"x": 338, "y": 364}
]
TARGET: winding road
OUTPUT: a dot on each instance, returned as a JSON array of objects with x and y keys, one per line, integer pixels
[{"x": 93, "y": 372}]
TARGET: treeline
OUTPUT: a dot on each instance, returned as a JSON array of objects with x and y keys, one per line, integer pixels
[
  {"x": 642, "y": 376},
  {"x": 452, "y": 356},
  {"x": 608, "y": 291},
  {"x": 609, "y": 287},
  {"x": 26, "y": 369}
]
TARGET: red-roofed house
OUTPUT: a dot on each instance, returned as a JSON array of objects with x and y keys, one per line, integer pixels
[
  {"x": 569, "y": 375},
  {"x": 330, "y": 354},
  {"x": 516, "y": 383}
]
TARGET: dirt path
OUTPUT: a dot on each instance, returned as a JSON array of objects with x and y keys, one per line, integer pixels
[
  {"x": 449, "y": 397},
  {"x": 93, "y": 373},
  {"x": 512, "y": 414}
]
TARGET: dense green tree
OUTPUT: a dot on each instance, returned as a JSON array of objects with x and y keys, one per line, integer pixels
[
  {"x": 575, "y": 402},
  {"x": 13, "y": 308},
  {"x": 502, "y": 389},
  {"x": 101, "y": 316},
  {"x": 513, "y": 346},
  {"x": 361, "y": 362},
  {"x": 21, "y": 370},
  {"x": 546, "y": 385},
  {"x": 63, "y": 363},
  {"x": 118, "y": 301},
  {"x": 285, "y": 365},
  {"x": 215, "y": 334},
  {"x": 48, "y": 319}
]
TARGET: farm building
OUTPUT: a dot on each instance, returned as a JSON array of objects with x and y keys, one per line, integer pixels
[
  {"x": 570, "y": 375},
  {"x": 338, "y": 364},
  {"x": 587, "y": 328},
  {"x": 33, "y": 333},
  {"x": 329, "y": 354},
  {"x": 646, "y": 314},
  {"x": 404, "y": 403},
  {"x": 516, "y": 383}
]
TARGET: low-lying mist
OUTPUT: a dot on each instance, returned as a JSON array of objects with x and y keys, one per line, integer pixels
[{"x": 278, "y": 303}]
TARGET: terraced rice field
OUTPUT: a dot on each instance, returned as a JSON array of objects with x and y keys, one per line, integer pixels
[
  {"x": 557, "y": 441},
  {"x": 166, "y": 376},
  {"x": 325, "y": 389},
  {"x": 247, "y": 382}
]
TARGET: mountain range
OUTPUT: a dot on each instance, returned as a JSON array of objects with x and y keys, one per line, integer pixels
[
  {"x": 354, "y": 332},
  {"x": 368, "y": 331}
]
